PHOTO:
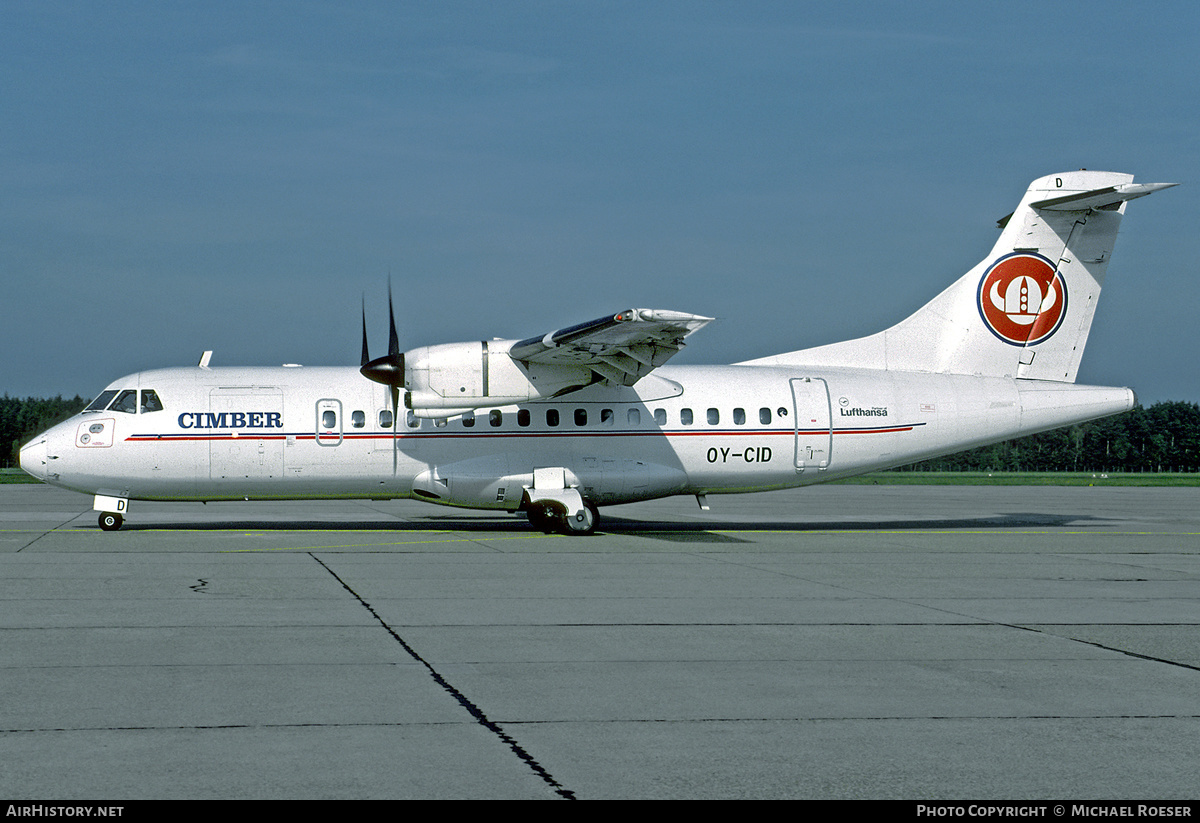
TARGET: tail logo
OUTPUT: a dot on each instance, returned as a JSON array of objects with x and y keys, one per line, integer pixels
[{"x": 1022, "y": 299}]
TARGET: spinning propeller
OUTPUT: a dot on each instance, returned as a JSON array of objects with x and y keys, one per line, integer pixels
[{"x": 388, "y": 370}]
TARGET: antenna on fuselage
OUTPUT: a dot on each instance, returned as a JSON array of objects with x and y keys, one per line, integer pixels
[{"x": 204, "y": 358}]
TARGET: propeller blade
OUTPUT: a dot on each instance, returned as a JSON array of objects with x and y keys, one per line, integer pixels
[
  {"x": 393, "y": 338},
  {"x": 395, "y": 426},
  {"x": 366, "y": 356},
  {"x": 389, "y": 369}
]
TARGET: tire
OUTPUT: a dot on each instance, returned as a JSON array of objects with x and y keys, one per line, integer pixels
[
  {"x": 585, "y": 522},
  {"x": 110, "y": 521},
  {"x": 541, "y": 520}
]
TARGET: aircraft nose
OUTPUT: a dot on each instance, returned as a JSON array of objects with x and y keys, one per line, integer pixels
[{"x": 35, "y": 457}]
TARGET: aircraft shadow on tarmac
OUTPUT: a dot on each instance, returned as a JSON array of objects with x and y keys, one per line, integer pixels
[
  {"x": 719, "y": 531},
  {"x": 664, "y": 529}
]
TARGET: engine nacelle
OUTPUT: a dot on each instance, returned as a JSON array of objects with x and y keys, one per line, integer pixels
[{"x": 453, "y": 377}]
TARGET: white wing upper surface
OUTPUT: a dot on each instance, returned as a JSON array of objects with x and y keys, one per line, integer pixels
[{"x": 620, "y": 348}]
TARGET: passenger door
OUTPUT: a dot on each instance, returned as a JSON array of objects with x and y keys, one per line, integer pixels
[{"x": 814, "y": 423}]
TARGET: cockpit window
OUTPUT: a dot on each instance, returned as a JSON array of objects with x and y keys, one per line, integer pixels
[
  {"x": 101, "y": 402},
  {"x": 150, "y": 401},
  {"x": 126, "y": 402}
]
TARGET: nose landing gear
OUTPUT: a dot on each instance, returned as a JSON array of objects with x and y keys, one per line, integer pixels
[
  {"x": 111, "y": 521},
  {"x": 112, "y": 511}
]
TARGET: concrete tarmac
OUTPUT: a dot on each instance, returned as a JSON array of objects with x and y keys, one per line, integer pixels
[{"x": 903, "y": 642}]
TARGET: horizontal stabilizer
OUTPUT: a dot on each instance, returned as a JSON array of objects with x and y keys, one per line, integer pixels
[
  {"x": 1099, "y": 198},
  {"x": 1107, "y": 197}
]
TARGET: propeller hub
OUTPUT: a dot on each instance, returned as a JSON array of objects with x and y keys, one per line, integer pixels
[{"x": 388, "y": 370}]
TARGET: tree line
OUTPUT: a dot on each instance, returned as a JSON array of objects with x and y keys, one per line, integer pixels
[
  {"x": 22, "y": 418},
  {"x": 1164, "y": 437}
]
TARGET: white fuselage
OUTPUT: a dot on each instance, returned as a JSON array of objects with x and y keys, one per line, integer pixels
[
  {"x": 301, "y": 432},
  {"x": 590, "y": 414}
]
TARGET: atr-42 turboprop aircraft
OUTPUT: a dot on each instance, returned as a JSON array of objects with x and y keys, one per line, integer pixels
[{"x": 560, "y": 424}]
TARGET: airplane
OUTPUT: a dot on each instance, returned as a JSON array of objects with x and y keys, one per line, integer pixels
[{"x": 557, "y": 425}]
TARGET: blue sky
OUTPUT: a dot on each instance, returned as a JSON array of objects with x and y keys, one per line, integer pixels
[{"x": 176, "y": 177}]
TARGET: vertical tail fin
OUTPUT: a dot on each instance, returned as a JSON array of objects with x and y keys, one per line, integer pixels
[
  {"x": 1038, "y": 291},
  {"x": 1026, "y": 309}
]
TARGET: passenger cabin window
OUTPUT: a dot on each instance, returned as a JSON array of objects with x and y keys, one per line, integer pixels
[
  {"x": 660, "y": 417},
  {"x": 126, "y": 402},
  {"x": 739, "y": 417},
  {"x": 581, "y": 417},
  {"x": 551, "y": 417},
  {"x": 523, "y": 417},
  {"x": 468, "y": 419},
  {"x": 607, "y": 418},
  {"x": 685, "y": 417},
  {"x": 412, "y": 421},
  {"x": 328, "y": 419},
  {"x": 496, "y": 417},
  {"x": 385, "y": 419},
  {"x": 634, "y": 416},
  {"x": 358, "y": 419},
  {"x": 714, "y": 417},
  {"x": 764, "y": 416}
]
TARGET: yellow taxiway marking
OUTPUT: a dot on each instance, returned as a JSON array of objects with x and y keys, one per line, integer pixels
[{"x": 385, "y": 543}]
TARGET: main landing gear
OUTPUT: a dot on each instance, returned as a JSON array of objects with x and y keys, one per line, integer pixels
[
  {"x": 551, "y": 516},
  {"x": 555, "y": 505}
]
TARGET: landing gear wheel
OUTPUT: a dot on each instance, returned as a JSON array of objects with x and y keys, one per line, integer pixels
[
  {"x": 584, "y": 522},
  {"x": 542, "y": 520},
  {"x": 111, "y": 521}
]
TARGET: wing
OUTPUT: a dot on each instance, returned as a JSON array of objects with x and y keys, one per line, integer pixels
[{"x": 620, "y": 348}]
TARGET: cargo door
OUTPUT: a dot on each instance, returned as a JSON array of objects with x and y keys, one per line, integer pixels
[{"x": 245, "y": 438}]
